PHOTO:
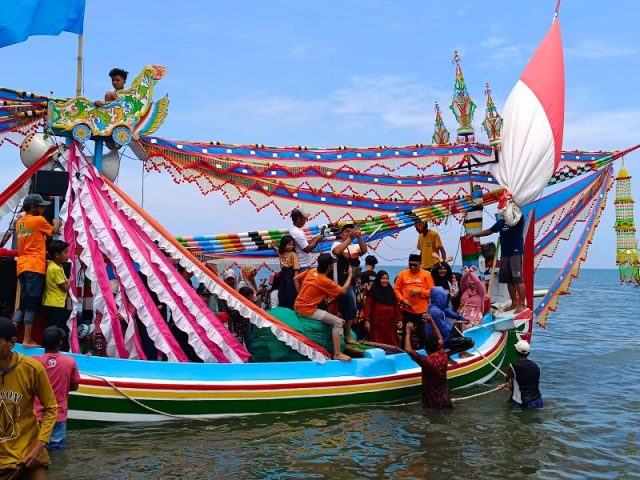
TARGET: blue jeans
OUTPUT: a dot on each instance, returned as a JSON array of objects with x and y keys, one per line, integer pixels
[
  {"x": 347, "y": 303},
  {"x": 31, "y": 289},
  {"x": 58, "y": 440}
]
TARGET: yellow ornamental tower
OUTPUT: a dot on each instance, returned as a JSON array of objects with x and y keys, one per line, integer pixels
[{"x": 627, "y": 245}]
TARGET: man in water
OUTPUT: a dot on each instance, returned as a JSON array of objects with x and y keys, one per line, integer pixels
[
  {"x": 523, "y": 379},
  {"x": 64, "y": 378},
  {"x": 512, "y": 246},
  {"x": 303, "y": 247},
  {"x": 118, "y": 80},
  {"x": 435, "y": 389},
  {"x": 22, "y": 440}
]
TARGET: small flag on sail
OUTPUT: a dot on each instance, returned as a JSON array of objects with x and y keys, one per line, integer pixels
[{"x": 21, "y": 19}]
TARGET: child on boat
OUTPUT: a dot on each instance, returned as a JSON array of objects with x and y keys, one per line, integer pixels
[
  {"x": 315, "y": 287},
  {"x": 382, "y": 312},
  {"x": 64, "y": 378},
  {"x": 118, "y": 80},
  {"x": 56, "y": 288},
  {"x": 435, "y": 389},
  {"x": 289, "y": 268}
]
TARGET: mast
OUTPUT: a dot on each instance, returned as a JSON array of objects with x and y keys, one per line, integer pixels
[{"x": 79, "y": 68}]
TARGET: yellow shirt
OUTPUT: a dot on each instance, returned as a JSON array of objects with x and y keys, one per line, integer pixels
[
  {"x": 19, "y": 429},
  {"x": 428, "y": 244},
  {"x": 54, "y": 296}
]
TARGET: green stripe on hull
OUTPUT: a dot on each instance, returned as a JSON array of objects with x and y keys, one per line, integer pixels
[{"x": 88, "y": 403}]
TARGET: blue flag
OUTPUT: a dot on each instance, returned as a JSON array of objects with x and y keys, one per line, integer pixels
[{"x": 19, "y": 19}]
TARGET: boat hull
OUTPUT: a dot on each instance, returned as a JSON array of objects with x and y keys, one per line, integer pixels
[{"x": 160, "y": 391}]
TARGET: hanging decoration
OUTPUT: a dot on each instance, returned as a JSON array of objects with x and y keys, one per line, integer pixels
[
  {"x": 626, "y": 243},
  {"x": 462, "y": 106}
]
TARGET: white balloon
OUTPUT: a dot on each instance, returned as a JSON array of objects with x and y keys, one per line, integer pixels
[{"x": 33, "y": 147}]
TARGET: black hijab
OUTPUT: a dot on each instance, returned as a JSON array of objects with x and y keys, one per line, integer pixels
[
  {"x": 442, "y": 281},
  {"x": 383, "y": 295}
]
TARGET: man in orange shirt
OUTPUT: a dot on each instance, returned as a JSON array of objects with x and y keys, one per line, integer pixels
[
  {"x": 315, "y": 287},
  {"x": 32, "y": 231},
  {"x": 412, "y": 289}
]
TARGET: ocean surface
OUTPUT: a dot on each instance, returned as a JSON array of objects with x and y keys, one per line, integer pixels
[{"x": 589, "y": 428}]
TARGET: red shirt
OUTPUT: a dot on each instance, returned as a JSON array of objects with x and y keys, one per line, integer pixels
[
  {"x": 435, "y": 389},
  {"x": 62, "y": 372}
]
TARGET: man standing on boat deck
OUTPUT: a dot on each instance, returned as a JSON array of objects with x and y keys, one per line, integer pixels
[
  {"x": 512, "y": 249},
  {"x": 32, "y": 231},
  {"x": 22, "y": 440},
  {"x": 429, "y": 243},
  {"x": 412, "y": 289},
  {"x": 303, "y": 247},
  {"x": 435, "y": 389},
  {"x": 523, "y": 379},
  {"x": 348, "y": 257}
]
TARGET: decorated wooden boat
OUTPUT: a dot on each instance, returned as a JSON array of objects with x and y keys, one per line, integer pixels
[
  {"x": 117, "y": 390},
  {"x": 107, "y": 229}
]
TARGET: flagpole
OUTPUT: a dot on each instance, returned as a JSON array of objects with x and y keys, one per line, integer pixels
[{"x": 79, "y": 70}]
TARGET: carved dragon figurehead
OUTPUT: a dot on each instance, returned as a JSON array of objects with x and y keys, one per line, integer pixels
[{"x": 132, "y": 115}]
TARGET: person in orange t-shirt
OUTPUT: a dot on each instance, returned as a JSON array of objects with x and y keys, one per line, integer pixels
[
  {"x": 32, "y": 231},
  {"x": 412, "y": 289},
  {"x": 314, "y": 286}
]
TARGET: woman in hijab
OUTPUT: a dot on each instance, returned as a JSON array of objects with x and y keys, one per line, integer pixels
[
  {"x": 382, "y": 312},
  {"x": 472, "y": 298},
  {"x": 444, "y": 277}
]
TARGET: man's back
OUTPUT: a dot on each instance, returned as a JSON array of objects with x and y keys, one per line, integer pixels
[
  {"x": 526, "y": 381},
  {"x": 62, "y": 372},
  {"x": 435, "y": 389},
  {"x": 31, "y": 231}
]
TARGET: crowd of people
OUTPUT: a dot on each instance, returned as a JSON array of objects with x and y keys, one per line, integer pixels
[{"x": 426, "y": 306}]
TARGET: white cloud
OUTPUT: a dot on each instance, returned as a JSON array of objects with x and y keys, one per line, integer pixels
[
  {"x": 596, "y": 49},
  {"x": 309, "y": 51},
  {"x": 498, "y": 51},
  {"x": 615, "y": 130}
]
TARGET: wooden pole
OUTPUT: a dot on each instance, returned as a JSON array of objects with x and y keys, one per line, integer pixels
[{"x": 79, "y": 68}]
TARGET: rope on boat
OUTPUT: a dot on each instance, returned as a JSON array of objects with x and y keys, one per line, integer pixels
[
  {"x": 483, "y": 356},
  {"x": 139, "y": 403}
]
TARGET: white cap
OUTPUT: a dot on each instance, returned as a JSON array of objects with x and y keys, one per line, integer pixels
[{"x": 523, "y": 347}]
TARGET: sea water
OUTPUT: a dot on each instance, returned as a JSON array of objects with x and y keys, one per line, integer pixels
[{"x": 589, "y": 427}]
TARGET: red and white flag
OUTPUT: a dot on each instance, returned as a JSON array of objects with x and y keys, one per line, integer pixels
[{"x": 533, "y": 116}]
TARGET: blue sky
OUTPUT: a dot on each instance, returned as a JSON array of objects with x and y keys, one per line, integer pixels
[{"x": 336, "y": 73}]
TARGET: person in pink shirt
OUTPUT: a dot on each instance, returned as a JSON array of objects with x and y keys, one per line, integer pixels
[
  {"x": 472, "y": 299},
  {"x": 64, "y": 377}
]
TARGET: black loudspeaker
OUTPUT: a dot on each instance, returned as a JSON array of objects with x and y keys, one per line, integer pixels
[
  {"x": 50, "y": 183},
  {"x": 8, "y": 283}
]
